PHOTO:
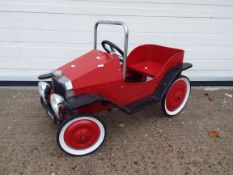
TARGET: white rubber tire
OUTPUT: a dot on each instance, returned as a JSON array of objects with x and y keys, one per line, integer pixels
[
  {"x": 180, "y": 108},
  {"x": 79, "y": 152}
]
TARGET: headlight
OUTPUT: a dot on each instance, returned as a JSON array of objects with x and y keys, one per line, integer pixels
[
  {"x": 56, "y": 102},
  {"x": 43, "y": 89}
]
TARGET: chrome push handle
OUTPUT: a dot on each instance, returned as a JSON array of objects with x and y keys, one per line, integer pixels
[{"x": 125, "y": 39}]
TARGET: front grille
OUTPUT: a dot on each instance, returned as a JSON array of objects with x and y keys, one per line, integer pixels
[{"x": 59, "y": 89}]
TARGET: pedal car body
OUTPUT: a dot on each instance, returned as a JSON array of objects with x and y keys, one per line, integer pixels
[{"x": 100, "y": 81}]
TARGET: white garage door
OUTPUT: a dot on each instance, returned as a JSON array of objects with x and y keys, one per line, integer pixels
[{"x": 37, "y": 36}]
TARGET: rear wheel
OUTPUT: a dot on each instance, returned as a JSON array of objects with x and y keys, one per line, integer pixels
[
  {"x": 81, "y": 135},
  {"x": 177, "y": 96}
]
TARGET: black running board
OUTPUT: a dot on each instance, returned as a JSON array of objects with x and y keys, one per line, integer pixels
[{"x": 140, "y": 104}]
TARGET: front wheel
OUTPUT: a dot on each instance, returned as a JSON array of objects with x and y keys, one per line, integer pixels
[
  {"x": 80, "y": 135},
  {"x": 176, "y": 97}
]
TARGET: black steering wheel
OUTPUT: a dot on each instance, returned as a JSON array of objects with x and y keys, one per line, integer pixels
[{"x": 114, "y": 49}]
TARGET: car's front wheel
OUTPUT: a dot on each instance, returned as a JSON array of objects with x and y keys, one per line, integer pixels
[{"x": 81, "y": 135}]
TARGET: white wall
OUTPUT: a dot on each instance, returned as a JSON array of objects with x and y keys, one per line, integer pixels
[{"x": 38, "y": 36}]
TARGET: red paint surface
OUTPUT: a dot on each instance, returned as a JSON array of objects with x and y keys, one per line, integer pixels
[
  {"x": 107, "y": 80},
  {"x": 82, "y": 134},
  {"x": 176, "y": 95}
]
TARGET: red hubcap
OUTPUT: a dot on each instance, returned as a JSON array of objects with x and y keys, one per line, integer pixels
[
  {"x": 82, "y": 134},
  {"x": 176, "y": 95}
]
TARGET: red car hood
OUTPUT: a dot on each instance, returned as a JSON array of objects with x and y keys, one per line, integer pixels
[{"x": 92, "y": 69}]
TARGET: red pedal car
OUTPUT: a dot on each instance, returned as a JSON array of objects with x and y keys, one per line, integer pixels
[{"x": 100, "y": 80}]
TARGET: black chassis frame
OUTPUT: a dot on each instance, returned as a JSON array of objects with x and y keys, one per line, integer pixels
[{"x": 87, "y": 99}]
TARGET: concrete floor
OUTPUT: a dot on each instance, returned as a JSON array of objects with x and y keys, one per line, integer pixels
[{"x": 144, "y": 143}]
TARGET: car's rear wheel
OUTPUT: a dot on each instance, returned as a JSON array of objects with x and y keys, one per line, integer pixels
[
  {"x": 81, "y": 135},
  {"x": 177, "y": 96}
]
